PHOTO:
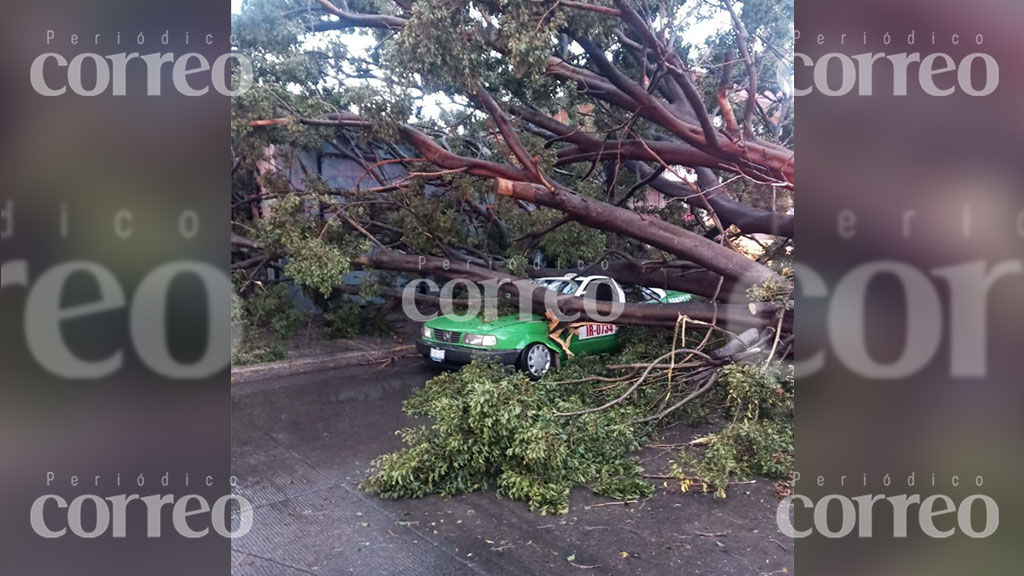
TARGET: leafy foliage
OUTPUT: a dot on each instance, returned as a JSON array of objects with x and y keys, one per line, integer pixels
[
  {"x": 319, "y": 254},
  {"x": 496, "y": 429},
  {"x": 778, "y": 293},
  {"x": 270, "y": 322},
  {"x": 349, "y": 319},
  {"x": 439, "y": 45},
  {"x": 759, "y": 439},
  {"x": 565, "y": 246},
  {"x": 492, "y": 428}
]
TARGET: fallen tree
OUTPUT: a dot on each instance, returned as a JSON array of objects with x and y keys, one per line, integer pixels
[
  {"x": 534, "y": 441},
  {"x": 581, "y": 131},
  {"x": 498, "y": 140},
  {"x": 731, "y": 315},
  {"x": 636, "y": 119}
]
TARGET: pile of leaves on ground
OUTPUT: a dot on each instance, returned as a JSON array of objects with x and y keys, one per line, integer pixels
[
  {"x": 493, "y": 428},
  {"x": 757, "y": 439}
]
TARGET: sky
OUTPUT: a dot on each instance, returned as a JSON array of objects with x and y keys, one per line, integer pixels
[{"x": 694, "y": 35}]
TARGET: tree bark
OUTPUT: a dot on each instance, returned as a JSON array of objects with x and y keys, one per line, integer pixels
[
  {"x": 634, "y": 314},
  {"x": 654, "y": 231}
]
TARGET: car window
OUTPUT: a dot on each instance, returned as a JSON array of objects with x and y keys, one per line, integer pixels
[{"x": 558, "y": 285}]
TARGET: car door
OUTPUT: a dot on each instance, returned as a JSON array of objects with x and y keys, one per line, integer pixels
[{"x": 595, "y": 337}]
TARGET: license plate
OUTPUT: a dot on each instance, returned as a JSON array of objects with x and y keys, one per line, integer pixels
[
  {"x": 437, "y": 355},
  {"x": 596, "y": 330}
]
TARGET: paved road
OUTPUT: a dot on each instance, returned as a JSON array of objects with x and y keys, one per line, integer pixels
[{"x": 302, "y": 444}]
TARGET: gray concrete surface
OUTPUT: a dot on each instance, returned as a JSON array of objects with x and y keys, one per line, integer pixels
[{"x": 302, "y": 444}]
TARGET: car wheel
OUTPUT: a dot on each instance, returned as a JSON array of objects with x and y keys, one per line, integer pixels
[{"x": 536, "y": 360}]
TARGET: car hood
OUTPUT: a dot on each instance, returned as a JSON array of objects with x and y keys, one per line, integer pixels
[{"x": 477, "y": 325}]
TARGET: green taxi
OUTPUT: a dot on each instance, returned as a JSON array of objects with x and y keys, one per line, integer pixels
[{"x": 524, "y": 343}]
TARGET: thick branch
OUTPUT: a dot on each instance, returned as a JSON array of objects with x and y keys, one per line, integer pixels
[
  {"x": 649, "y": 107},
  {"x": 513, "y": 182},
  {"x": 653, "y": 231},
  {"x": 747, "y": 218},
  {"x": 724, "y": 86},
  {"x": 757, "y": 159},
  {"x": 674, "y": 65},
  {"x": 356, "y": 20},
  {"x": 508, "y": 134},
  {"x": 590, "y": 7},
  {"x": 639, "y": 314},
  {"x": 590, "y": 148}
]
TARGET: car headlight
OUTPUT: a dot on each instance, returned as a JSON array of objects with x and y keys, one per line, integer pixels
[
  {"x": 427, "y": 332},
  {"x": 479, "y": 340}
]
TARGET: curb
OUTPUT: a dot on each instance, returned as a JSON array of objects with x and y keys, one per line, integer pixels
[{"x": 255, "y": 372}]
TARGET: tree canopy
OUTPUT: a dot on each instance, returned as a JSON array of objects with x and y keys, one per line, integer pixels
[{"x": 655, "y": 137}]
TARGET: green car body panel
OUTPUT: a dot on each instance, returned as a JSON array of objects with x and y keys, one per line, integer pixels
[
  {"x": 673, "y": 296},
  {"x": 514, "y": 333}
]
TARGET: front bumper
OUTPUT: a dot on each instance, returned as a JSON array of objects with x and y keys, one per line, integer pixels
[{"x": 463, "y": 355}]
